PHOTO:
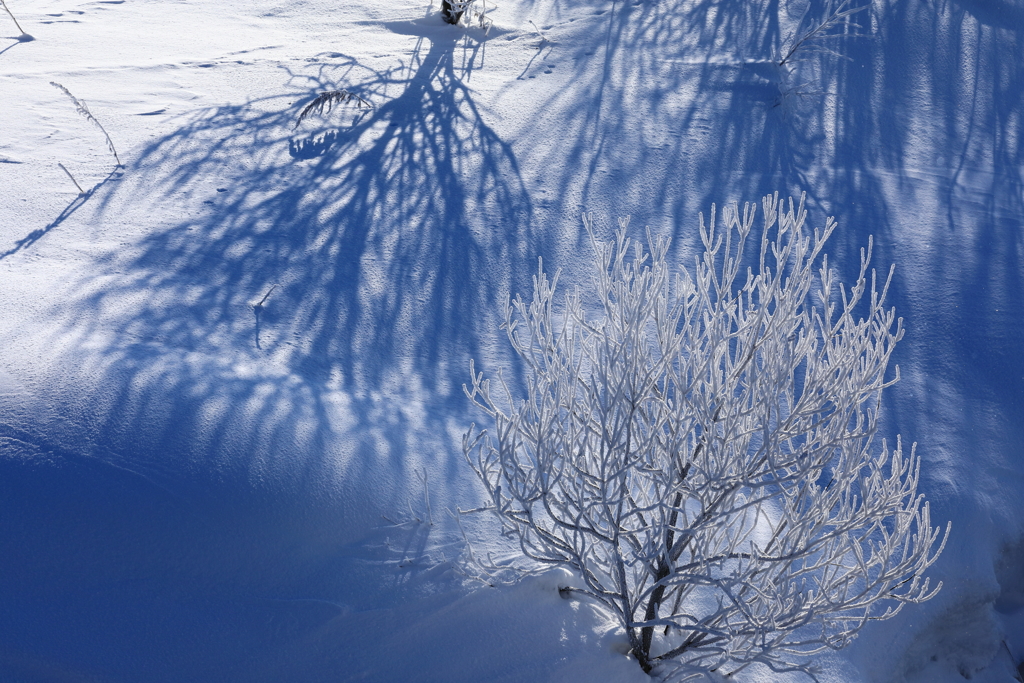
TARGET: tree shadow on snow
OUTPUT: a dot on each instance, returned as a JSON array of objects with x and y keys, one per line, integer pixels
[
  {"x": 272, "y": 366},
  {"x": 928, "y": 135},
  {"x": 370, "y": 226},
  {"x": 354, "y": 252},
  {"x": 693, "y": 117}
]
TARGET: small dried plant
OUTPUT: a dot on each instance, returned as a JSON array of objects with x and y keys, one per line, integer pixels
[
  {"x": 810, "y": 41},
  {"x": 325, "y": 101},
  {"x": 480, "y": 18},
  {"x": 84, "y": 111},
  {"x": 24, "y": 37},
  {"x": 544, "y": 40}
]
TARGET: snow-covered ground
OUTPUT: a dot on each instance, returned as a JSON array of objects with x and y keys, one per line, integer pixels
[{"x": 196, "y": 489}]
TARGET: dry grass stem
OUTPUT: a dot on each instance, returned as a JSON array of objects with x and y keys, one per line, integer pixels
[
  {"x": 63, "y": 168},
  {"x": 84, "y": 111},
  {"x": 327, "y": 100}
]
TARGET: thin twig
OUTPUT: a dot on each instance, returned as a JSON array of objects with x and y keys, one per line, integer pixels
[
  {"x": 63, "y": 168},
  {"x": 84, "y": 111},
  {"x": 543, "y": 38},
  {"x": 260, "y": 304},
  {"x": 818, "y": 33},
  {"x": 11, "y": 14}
]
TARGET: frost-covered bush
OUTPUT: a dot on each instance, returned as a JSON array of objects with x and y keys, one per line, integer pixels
[{"x": 699, "y": 447}]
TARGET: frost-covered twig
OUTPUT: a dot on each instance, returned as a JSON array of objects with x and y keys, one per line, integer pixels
[
  {"x": 483, "y": 21},
  {"x": 810, "y": 40},
  {"x": 485, "y": 570},
  {"x": 84, "y": 111},
  {"x": 544, "y": 40},
  {"x": 327, "y": 100},
  {"x": 805, "y": 44}
]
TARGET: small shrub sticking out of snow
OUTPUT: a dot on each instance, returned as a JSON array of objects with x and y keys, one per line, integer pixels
[
  {"x": 811, "y": 41},
  {"x": 84, "y": 111},
  {"x": 327, "y": 100},
  {"x": 701, "y": 451}
]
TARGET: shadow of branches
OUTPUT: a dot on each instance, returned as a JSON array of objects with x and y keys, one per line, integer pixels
[
  {"x": 690, "y": 119},
  {"x": 70, "y": 210},
  {"x": 234, "y": 397},
  {"x": 371, "y": 224},
  {"x": 310, "y": 316}
]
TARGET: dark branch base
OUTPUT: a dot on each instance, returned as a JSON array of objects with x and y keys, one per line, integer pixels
[{"x": 448, "y": 12}]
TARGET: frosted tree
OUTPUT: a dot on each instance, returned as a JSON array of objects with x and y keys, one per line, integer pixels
[{"x": 700, "y": 449}]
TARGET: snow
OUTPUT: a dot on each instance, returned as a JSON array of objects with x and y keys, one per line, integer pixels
[{"x": 192, "y": 488}]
